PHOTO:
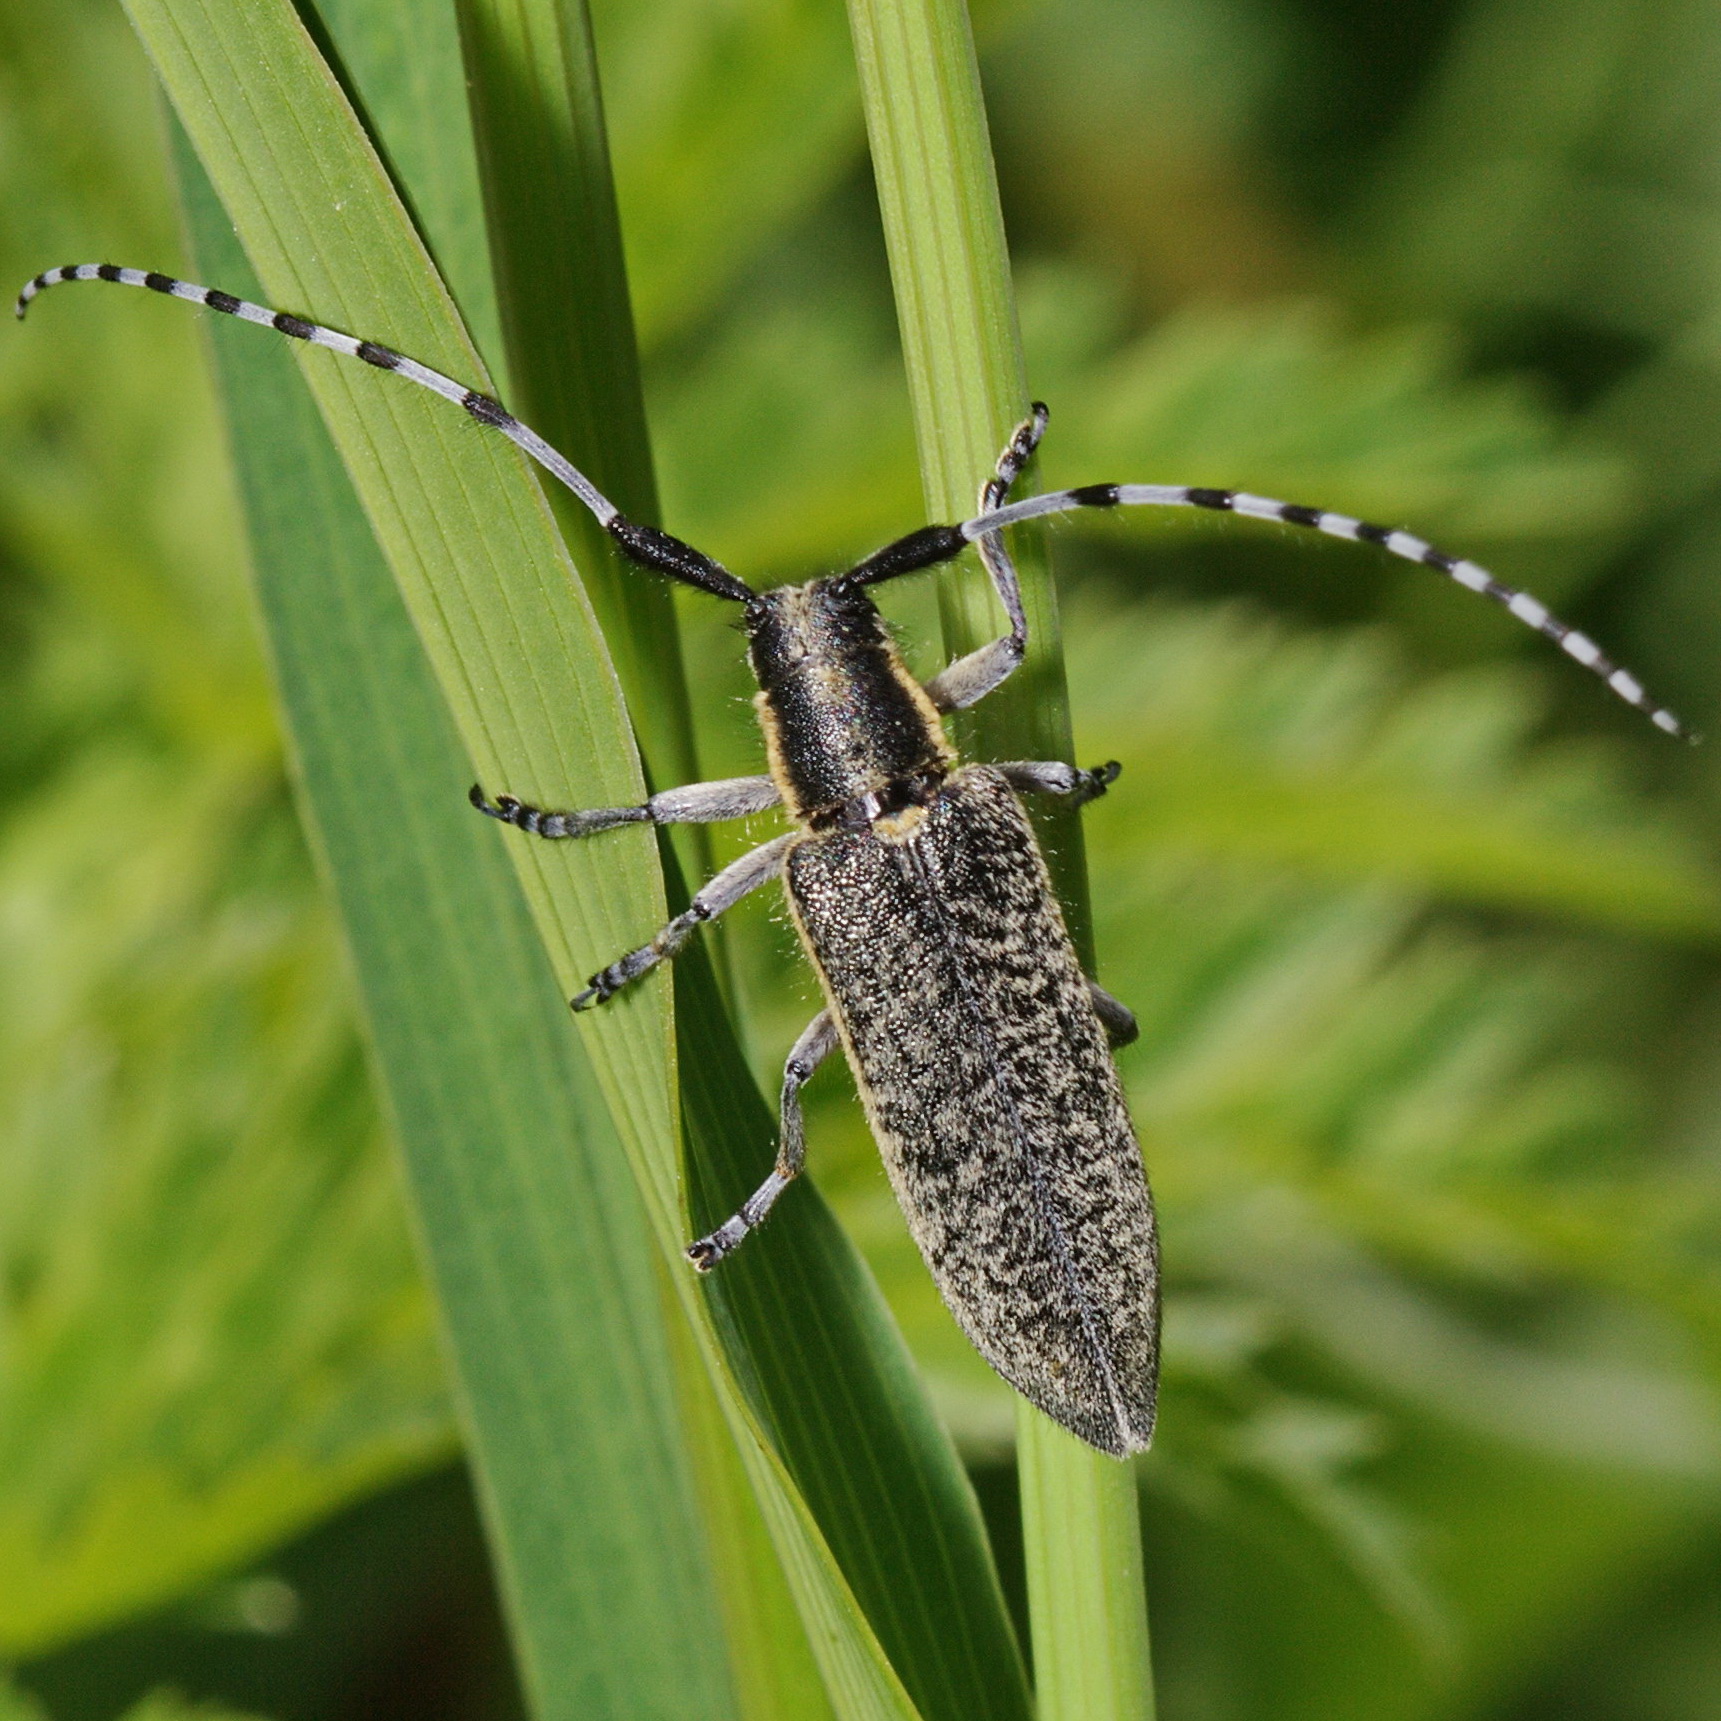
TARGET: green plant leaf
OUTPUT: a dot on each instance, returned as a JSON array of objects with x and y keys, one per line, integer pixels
[
  {"x": 403, "y": 62},
  {"x": 408, "y": 70},
  {"x": 287, "y": 160},
  {"x": 938, "y": 195},
  {"x": 537, "y": 1248}
]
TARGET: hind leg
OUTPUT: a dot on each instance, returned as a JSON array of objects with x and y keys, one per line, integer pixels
[{"x": 811, "y": 1050}]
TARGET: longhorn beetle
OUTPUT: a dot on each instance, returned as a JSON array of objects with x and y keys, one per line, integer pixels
[{"x": 978, "y": 1045}]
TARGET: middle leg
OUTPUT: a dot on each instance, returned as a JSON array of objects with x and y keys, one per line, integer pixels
[{"x": 758, "y": 866}]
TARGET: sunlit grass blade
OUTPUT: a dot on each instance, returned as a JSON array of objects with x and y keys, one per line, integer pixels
[
  {"x": 555, "y": 239},
  {"x": 933, "y": 163},
  {"x": 495, "y": 515},
  {"x": 539, "y": 1252},
  {"x": 832, "y": 1383},
  {"x": 401, "y": 59},
  {"x": 466, "y": 531},
  {"x": 405, "y": 65},
  {"x": 513, "y": 646}
]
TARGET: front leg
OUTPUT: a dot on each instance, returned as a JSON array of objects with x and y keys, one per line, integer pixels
[
  {"x": 694, "y": 804},
  {"x": 969, "y": 679},
  {"x": 758, "y": 866},
  {"x": 1054, "y": 777}
]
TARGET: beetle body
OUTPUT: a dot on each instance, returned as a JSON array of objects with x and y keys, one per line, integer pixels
[
  {"x": 984, "y": 1071},
  {"x": 918, "y": 890},
  {"x": 921, "y": 897}
]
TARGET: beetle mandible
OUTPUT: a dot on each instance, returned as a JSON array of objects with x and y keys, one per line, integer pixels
[{"x": 920, "y": 895}]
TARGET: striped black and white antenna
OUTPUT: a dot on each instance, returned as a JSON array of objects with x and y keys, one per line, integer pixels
[{"x": 669, "y": 555}]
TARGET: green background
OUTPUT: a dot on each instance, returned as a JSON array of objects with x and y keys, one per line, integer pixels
[{"x": 1421, "y": 926}]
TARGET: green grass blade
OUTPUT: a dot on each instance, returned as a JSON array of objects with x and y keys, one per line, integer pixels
[
  {"x": 1080, "y": 1530},
  {"x": 950, "y": 270},
  {"x": 402, "y": 63},
  {"x": 514, "y": 648},
  {"x": 555, "y": 236},
  {"x": 465, "y": 529},
  {"x": 539, "y": 1253},
  {"x": 184, "y": 1387},
  {"x": 407, "y": 69},
  {"x": 938, "y": 194},
  {"x": 834, "y": 1386}
]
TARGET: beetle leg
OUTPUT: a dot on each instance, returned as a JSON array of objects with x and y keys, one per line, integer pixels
[
  {"x": 811, "y": 1050},
  {"x": 695, "y": 804},
  {"x": 1018, "y": 451},
  {"x": 972, "y": 677},
  {"x": 756, "y": 867},
  {"x": 1117, "y": 1019},
  {"x": 1054, "y": 777},
  {"x": 969, "y": 679}
]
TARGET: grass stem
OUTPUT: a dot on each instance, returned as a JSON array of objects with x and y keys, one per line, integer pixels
[{"x": 950, "y": 266}]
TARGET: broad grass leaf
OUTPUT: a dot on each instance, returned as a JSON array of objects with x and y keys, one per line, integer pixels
[
  {"x": 494, "y": 533},
  {"x": 530, "y": 1224}
]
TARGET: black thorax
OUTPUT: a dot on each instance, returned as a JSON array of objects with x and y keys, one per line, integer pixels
[{"x": 852, "y": 736}]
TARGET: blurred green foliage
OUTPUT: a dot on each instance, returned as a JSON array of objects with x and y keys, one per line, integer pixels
[
  {"x": 158, "y": 1706},
  {"x": 1421, "y": 927}
]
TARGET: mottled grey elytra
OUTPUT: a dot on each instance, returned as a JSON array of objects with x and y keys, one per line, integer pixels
[
  {"x": 983, "y": 1067},
  {"x": 978, "y": 1045}
]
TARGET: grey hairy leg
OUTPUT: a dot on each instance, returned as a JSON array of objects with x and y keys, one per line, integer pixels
[
  {"x": 756, "y": 867},
  {"x": 1117, "y": 1019},
  {"x": 693, "y": 804},
  {"x": 811, "y": 1050},
  {"x": 1054, "y": 777},
  {"x": 969, "y": 679}
]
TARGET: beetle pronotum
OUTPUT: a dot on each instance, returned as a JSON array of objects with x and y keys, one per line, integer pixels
[{"x": 978, "y": 1045}]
